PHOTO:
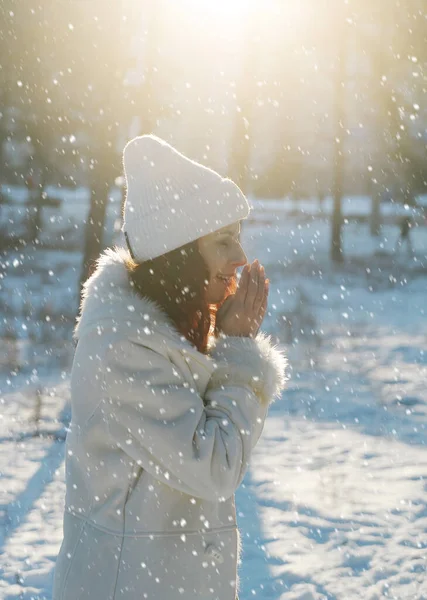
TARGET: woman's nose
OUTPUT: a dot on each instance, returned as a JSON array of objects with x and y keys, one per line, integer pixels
[{"x": 239, "y": 259}]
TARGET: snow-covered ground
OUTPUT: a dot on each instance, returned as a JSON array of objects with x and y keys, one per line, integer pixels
[{"x": 334, "y": 505}]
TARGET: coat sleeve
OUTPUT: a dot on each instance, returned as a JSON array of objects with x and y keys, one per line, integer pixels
[{"x": 200, "y": 446}]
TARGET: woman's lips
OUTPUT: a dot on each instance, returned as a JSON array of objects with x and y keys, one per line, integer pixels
[{"x": 225, "y": 278}]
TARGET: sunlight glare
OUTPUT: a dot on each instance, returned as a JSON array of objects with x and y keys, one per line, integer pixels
[{"x": 224, "y": 11}]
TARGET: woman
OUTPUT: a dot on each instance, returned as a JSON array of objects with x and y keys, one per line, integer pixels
[{"x": 170, "y": 388}]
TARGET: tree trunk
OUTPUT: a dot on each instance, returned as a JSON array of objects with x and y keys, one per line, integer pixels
[
  {"x": 375, "y": 222},
  {"x": 95, "y": 224},
  {"x": 336, "y": 241},
  {"x": 384, "y": 109},
  {"x": 240, "y": 153},
  {"x": 148, "y": 106}
]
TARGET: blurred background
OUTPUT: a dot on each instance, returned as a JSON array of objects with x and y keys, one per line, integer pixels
[
  {"x": 315, "y": 107},
  {"x": 318, "y": 110}
]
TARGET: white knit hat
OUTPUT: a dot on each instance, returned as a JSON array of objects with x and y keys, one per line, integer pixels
[{"x": 172, "y": 200}]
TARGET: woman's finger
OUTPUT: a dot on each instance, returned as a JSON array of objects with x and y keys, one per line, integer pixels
[
  {"x": 265, "y": 299},
  {"x": 266, "y": 287},
  {"x": 261, "y": 288},
  {"x": 252, "y": 286},
  {"x": 263, "y": 308},
  {"x": 242, "y": 288},
  {"x": 257, "y": 321}
]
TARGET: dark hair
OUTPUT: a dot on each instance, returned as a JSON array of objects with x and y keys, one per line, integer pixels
[{"x": 177, "y": 282}]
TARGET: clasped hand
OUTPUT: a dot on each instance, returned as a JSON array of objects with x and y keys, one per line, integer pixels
[{"x": 243, "y": 312}]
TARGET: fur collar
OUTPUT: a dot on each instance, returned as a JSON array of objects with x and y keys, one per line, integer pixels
[{"x": 108, "y": 296}]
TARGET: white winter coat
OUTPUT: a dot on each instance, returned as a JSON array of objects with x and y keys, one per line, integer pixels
[{"x": 160, "y": 439}]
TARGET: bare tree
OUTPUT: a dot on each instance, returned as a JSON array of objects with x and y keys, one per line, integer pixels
[
  {"x": 393, "y": 37},
  {"x": 245, "y": 95},
  {"x": 338, "y": 166}
]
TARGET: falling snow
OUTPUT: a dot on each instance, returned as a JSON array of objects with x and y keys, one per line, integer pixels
[
  {"x": 302, "y": 105},
  {"x": 333, "y": 503}
]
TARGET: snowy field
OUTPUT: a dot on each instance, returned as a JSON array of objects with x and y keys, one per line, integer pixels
[{"x": 335, "y": 503}]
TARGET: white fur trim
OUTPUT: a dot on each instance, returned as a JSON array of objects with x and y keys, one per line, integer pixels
[
  {"x": 254, "y": 362},
  {"x": 108, "y": 296}
]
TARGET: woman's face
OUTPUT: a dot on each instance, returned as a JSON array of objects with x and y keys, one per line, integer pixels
[{"x": 223, "y": 254}]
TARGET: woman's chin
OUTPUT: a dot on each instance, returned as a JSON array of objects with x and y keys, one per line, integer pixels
[
  {"x": 218, "y": 292},
  {"x": 216, "y": 296}
]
